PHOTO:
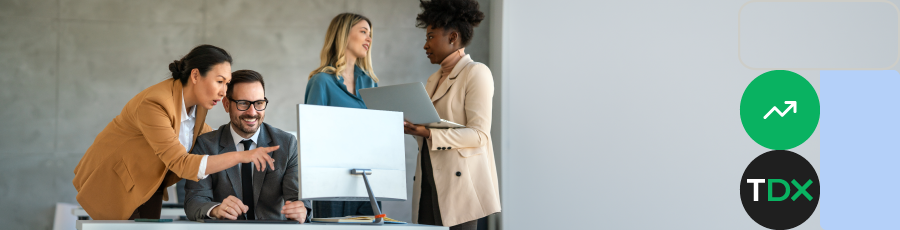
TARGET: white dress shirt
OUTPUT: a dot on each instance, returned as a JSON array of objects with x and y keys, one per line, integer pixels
[
  {"x": 186, "y": 134},
  {"x": 240, "y": 147}
]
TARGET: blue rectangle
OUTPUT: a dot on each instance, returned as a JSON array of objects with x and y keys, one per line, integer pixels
[{"x": 860, "y": 131}]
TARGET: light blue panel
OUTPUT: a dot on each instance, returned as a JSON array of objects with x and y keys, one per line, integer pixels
[{"x": 860, "y": 131}]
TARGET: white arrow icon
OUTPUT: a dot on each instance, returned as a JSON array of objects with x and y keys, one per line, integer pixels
[{"x": 792, "y": 104}]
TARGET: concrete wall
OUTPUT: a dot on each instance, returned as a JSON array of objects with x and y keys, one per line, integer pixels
[{"x": 67, "y": 68}]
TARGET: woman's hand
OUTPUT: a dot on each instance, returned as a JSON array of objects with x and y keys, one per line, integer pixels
[
  {"x": 258, "y": 156},
  {"x": 231, "y": 208},
  {"x": 418, "y": 130}
]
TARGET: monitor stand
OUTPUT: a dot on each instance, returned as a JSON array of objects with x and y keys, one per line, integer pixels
[{"x": 379, "y": 218}]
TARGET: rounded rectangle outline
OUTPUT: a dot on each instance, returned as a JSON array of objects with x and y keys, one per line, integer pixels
[{"x": 881, "y": 1}]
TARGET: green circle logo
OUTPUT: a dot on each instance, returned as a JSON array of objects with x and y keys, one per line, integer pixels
[{"x": 780, "y": 110}]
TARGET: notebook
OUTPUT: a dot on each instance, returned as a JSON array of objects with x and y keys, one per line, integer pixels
[{"x": 355, "y": 219}]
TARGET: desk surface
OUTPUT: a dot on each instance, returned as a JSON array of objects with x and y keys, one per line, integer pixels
[
  {"x": 192, "y": 225},
  {"x": 163, "y": 212}
]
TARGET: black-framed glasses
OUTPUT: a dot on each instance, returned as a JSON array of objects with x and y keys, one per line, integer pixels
[{"x": 244, "y": 105}]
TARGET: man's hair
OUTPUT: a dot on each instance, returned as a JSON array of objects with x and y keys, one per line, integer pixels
[{"x": 244, "y": 76}]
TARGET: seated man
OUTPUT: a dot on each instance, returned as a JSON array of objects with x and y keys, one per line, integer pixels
[{"x": 247, "y": 191}]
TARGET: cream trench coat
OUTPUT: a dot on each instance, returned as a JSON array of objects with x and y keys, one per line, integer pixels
[{"x": 465, "y": 173}]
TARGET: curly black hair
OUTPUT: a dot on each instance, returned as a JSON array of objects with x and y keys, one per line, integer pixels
[{"x": 459, "y": 15}]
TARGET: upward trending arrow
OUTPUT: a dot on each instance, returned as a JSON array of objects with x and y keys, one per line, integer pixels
[{"x": 792, "y": 104}]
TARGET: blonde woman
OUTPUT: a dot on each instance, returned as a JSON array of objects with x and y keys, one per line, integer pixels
[
  {"x": 346, "y": 67},
  {"x": 346, "y": 64}
]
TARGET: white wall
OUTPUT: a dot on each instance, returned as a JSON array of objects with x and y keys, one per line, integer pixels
[{"x": 625, "y": 114}]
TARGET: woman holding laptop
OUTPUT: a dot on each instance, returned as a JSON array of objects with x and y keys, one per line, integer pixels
[
  {"x": 465, "y": 187},
  {"x": 346, "y": 67}
]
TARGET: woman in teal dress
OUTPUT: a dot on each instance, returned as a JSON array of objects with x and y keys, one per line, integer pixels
[{"x": 346, "y": 67}]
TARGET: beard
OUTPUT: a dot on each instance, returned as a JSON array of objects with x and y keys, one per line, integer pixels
[{"x": 238, "y": 123}]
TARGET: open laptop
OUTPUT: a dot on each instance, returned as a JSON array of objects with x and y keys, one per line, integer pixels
[{"x": 411, "y": 99}]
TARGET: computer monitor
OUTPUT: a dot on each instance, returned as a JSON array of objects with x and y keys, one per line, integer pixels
[{"x": 335, "y": 140}]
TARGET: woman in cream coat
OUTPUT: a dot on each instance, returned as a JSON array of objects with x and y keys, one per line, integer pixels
[{"x": 456, "y": 174}]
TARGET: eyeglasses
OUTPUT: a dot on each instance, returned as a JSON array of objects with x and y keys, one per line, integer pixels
[{"x": 244, "y": 105}]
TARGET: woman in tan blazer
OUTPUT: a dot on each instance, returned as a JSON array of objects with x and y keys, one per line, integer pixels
[
  {"x": 143, "y": 150},
  {"x": 457, "y": 175}
]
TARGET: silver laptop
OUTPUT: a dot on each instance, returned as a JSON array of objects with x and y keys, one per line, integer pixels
[{"x": 411, "y": 99}]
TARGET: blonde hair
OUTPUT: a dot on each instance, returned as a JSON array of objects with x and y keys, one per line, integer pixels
[{"x": 333, "y": 55}]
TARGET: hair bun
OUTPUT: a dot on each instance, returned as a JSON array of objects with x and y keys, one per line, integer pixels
[
  {"x": 177, "y": 68},
  {"x": 459, "y": 15},
  {"x": 471, "y": 14}
]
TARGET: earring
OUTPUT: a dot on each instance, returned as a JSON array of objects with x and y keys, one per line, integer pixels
[{"x": 451, "y": 43}]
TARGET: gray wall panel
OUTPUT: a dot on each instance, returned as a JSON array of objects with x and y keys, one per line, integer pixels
[
  {"x": 312, "y": 13},
  {"x": 20, "y": 10},
  {"x": 104, "y": 64},
  {"x": 28, "y": 86},
  {"x": 163, "y": 11}
]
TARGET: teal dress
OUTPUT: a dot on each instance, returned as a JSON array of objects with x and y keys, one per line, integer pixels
[{"x": 326, "y": 89}]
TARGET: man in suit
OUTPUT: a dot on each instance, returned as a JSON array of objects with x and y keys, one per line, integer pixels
[{"x": 246, "y": 191}]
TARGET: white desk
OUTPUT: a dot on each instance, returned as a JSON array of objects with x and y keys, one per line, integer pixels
[{"x": 191, "y": 225}]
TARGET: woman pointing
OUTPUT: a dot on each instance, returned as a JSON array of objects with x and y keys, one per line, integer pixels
[{"x": 143, "y": 150}]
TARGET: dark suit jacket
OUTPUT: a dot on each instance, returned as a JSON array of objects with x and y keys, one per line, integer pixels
[{"x": 270, "y": 188}]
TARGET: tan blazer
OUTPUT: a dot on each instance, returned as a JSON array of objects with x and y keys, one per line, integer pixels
[
  {"x": 136, "y": 153},
  {"x": 465, "y": 97}
]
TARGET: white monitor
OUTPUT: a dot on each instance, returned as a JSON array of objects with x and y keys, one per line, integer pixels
[{"x": 334, "y": 140}]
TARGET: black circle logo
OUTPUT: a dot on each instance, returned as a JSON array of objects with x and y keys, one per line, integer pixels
[{"x": 780, "y": 189}]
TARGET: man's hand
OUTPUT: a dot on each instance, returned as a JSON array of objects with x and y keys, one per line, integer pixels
[
  {"x": 231, "y": 208},
  {"x": 294, "y": 210}
]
